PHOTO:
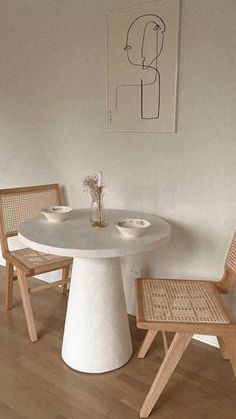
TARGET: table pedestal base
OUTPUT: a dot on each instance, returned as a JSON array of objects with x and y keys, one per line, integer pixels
[{"x": 96, "y": 337}]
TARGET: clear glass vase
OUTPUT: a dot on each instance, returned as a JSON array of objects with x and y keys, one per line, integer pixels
[{"x": 97, "y": 217}]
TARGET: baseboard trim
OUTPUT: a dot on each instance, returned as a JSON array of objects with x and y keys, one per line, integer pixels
[{"x": 209, "y": 340}]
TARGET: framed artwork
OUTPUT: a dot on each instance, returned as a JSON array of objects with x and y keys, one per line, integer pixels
[{"x": 142, "y": 67}]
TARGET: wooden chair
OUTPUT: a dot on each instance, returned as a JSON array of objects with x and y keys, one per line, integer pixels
[
  {"x": 185, "y": 307},
  {"x": 16, "y": 206}
]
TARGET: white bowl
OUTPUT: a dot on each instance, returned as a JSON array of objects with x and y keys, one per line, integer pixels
[
  {"x": 57, "y": 213},
  {"x": 132, "y": 227}
]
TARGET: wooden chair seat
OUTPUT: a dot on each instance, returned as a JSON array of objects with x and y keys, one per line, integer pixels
[
  {"x": 35, "y": 263},
  {"x": 185, "y": 307}
]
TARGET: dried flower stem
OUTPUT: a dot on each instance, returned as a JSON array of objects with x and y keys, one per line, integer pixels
[{"x": 90, "y": 185}]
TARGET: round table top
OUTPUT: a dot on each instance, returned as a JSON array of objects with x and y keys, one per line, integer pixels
[{"x": 76, "y": 237}]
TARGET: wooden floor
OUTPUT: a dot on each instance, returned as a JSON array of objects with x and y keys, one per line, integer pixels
[{"x": 36, "y": 384}]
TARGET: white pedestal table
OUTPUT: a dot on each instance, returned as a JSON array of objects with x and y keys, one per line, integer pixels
[{"x": 96, "y": 336}]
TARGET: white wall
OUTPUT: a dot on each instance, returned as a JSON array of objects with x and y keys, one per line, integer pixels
[{"x": 53, "y": 123}]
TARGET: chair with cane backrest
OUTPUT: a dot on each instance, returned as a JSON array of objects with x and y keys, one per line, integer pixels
[
  {"x": 16, "y": 206},
  {"x": 185, "y": 307}
]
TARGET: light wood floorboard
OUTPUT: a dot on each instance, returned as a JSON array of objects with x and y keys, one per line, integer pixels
[{"x": 36, "y": 384}]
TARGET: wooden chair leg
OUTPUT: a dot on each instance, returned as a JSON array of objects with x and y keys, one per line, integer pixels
[
  {"x": 149, "y": 338},
  {"x": 65, "y": 275},
  {"x": 223, "y": 348},
  {"x": 165, "y": 342},
  {"x": 9, "y": 286},
  {"x": 174, "y": 354},
  {"x": 230, "y": 343},
  {"x": 22, "y": 281}
]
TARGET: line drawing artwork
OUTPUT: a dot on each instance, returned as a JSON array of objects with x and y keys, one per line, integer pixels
[
  {"x": 142, "y": 67},
  {"x": 144, "y": 44}
]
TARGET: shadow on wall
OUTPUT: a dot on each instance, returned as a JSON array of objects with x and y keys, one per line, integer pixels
[{"x": 177, "y": 258}]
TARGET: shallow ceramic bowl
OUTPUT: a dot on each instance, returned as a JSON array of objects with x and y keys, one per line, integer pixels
[
  {"x": 57, "y": 213},
  {"x": 132, "y": 227}
]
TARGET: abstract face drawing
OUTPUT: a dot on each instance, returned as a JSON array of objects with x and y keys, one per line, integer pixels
[{"x": 143, "y": 46}]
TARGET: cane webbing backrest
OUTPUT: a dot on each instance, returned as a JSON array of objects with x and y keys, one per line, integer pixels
[
  {"x": 181, "y": 301},
  {"x": 20, "y": 204},
  {"x": 230, "y": 264}
]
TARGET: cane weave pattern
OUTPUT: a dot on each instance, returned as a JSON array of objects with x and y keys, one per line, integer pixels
[
  {"x": 231, "y": 258},
  {"x": 20, "y": 206},
  {"x": 181, "y": 301},
  {"x": 32, "y": 259}
]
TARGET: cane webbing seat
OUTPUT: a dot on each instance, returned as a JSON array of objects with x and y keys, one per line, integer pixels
[
  {"x": 185, "y": 307},
  {"x": 38, "y": 260},
  {"x": 181, "y": 301},
  {"x": 16, "y": 206}
]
